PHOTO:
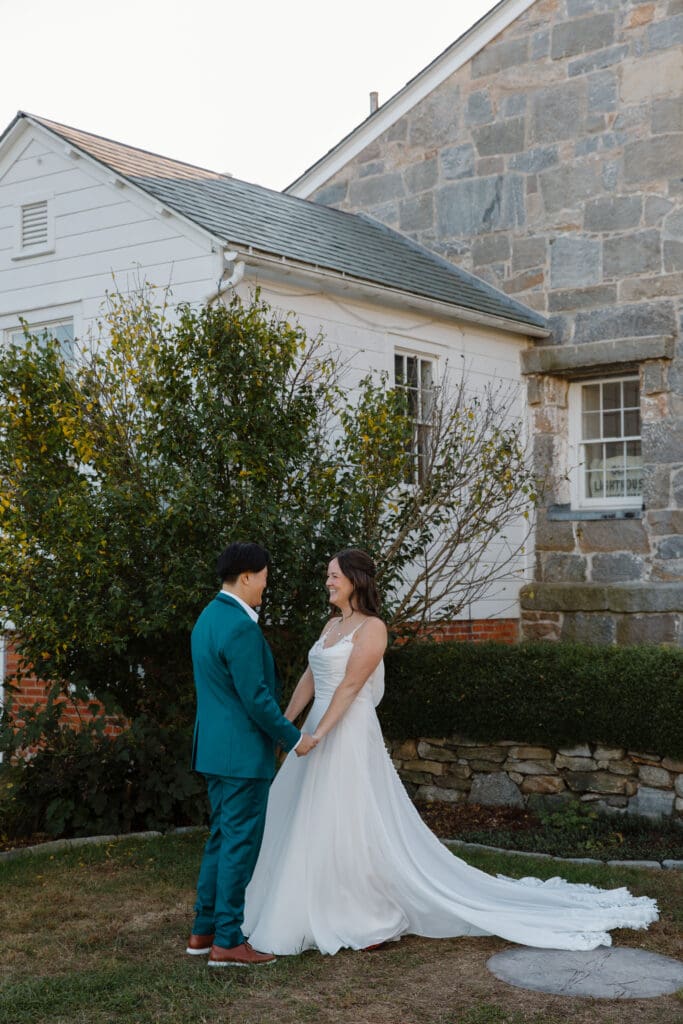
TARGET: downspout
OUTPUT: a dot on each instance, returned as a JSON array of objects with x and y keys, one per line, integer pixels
[{"x": 234, "y": 268}]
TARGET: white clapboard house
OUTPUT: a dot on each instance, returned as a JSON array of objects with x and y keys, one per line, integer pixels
[{"x": 80, "y": 214}]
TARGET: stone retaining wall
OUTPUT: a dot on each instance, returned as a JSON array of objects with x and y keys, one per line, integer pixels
[{"x": 508, "y": 773}]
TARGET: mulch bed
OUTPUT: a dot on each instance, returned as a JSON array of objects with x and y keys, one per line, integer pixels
[{"x": 450, "y": 821}]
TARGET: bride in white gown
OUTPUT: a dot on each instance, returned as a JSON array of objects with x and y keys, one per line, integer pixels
[{"x": 346, "y": 860}]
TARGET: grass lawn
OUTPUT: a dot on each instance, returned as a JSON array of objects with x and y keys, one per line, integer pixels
[{"x": 97, "y": 935}]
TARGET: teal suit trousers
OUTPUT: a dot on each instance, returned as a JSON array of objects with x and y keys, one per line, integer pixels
[{"x": 238, "y": 815}]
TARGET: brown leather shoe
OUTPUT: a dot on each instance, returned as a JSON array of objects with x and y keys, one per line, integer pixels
[
  {"x": 243, "y": 955},
  {"x": 198, "y": 945}
]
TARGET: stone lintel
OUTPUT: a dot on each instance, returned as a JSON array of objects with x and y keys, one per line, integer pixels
[
  {"x": 568, "y": 359},
  {"x": 590, "y": 597}
]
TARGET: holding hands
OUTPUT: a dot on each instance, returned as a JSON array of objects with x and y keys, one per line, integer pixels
[{"x": 306, "y": 744}]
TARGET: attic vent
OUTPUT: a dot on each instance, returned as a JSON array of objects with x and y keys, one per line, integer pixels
[{"x": 34, "y": 224}]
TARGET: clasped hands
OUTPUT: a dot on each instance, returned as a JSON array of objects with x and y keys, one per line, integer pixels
[{"x": 306, "y": 744}]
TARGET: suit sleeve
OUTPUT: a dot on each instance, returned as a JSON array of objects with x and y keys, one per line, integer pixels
[{"x": 245, "y": 660}]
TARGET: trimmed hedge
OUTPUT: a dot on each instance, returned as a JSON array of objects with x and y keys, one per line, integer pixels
[{"x": 554, "y": 694}]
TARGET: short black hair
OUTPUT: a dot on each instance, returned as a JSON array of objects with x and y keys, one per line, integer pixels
[{"x": 238, "y": 558}]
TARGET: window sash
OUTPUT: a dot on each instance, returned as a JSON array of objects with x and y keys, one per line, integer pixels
[
  {"x": 414, "y": 375},
  {"x": 607, "y": 440}
]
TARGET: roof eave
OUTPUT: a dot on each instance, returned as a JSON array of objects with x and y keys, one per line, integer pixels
[{"x": 338, "y": 281}]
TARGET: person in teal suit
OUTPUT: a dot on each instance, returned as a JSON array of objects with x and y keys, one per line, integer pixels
[{"x": 238, "y": 726}]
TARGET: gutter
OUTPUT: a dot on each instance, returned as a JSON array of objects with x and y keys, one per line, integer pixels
[{"x": 273, "y": 268}]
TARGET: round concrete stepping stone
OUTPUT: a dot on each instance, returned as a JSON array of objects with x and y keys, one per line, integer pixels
[{"x": 608, "y": 972}]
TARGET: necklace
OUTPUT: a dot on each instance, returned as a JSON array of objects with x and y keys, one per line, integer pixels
[{"x": 340, "y": 628}]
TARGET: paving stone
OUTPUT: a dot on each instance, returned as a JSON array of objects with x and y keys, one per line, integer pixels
[
  {"x": 607, "y": 972},
  {"x": 654, "y": 864}
]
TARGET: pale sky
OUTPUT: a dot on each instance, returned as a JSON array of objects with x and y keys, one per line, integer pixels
[{"x": 261, "y": 88}]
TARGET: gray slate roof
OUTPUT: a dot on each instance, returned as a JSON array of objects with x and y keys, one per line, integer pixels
[{"x": 240, "y": 214}]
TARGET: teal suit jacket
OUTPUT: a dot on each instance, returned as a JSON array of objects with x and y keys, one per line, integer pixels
[{"x": 238, "y": 722}]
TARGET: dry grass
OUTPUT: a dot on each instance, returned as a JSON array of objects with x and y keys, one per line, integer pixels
[{"x": 97, "y": 937}]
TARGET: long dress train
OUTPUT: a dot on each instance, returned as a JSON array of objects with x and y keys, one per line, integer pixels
[{"x": 347, "y": 861}]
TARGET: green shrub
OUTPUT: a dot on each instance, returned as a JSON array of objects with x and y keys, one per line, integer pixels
[
  {"x": 554, "y": 694},
  {"x": 81, "y": 782}
]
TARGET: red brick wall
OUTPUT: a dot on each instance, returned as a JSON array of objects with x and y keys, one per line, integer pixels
[
  {"x": 32, "y": 693},
  {"x": 505, "y": 631}
]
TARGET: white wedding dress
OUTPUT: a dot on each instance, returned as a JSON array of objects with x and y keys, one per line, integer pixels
[{"x": 347, "y": 861}]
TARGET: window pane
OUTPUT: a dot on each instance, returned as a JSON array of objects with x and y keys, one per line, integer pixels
[
  {"x": 634, "y": 469},
  {"x": 611, "y": 395},
  {"x": 594, "y": 485},
  {"x": 412, "y": 371},
  {"x": 631, "y": 394},
  {"x": 614, "y": 471},
  {"x": 398, "y": 369},
  {"x": 611, "y": 424},
  {"x": 591, "y": 425},
  {"x": 594, "y": 456},
  {"x": 426, "y": 381},
  {"x": 632, "y": 423},
  {"x": 590, "y": 397}
]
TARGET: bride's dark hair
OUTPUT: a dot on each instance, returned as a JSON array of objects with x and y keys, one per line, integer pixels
[{"x": 358, "y": 567}]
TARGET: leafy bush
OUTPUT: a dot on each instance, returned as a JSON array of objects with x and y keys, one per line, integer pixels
[
  {"x": 82, "y": 782},
  {"x": 552, "y": 694}
]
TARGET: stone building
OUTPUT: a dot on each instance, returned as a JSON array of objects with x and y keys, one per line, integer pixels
[{"x": 543, "y": 151}]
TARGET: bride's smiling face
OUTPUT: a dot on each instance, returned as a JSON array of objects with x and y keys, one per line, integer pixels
[{"x": 339, "y": 586}]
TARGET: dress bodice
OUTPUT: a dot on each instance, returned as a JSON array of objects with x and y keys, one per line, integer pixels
[{"x": 328, "y": 665}]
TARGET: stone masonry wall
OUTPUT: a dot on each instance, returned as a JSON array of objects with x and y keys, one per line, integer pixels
[
  {"x": 458, "y": 770},
  {"x": 551, "y": 165}
]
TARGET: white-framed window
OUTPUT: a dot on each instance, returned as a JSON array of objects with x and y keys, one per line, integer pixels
[
  {"x": 605, "y": 443},
  {"x": 61, "y": 330},
  {"x": 34, "y": 228},
  {"x": 415, "y": 375}
]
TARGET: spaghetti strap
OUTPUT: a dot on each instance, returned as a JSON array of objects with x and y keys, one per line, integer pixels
[{"x": 350, "y": 636}]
